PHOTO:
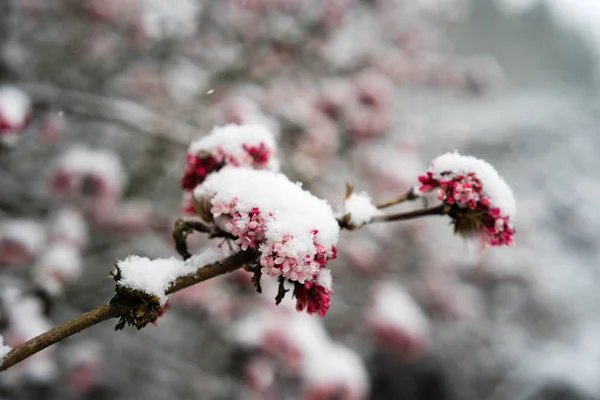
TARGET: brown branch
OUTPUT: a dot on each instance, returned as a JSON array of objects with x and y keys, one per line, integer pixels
[
  {"x": 438, "y": 210},
  {"x": 410, "y": 195},
  {"x": 114, "y": 310},
  {"x": 54, "y": 335}
]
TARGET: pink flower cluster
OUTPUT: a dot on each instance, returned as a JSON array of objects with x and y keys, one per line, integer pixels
[
  {"x": 197, "y": 168},
  {"x": 312, "y": 296},
  {"x": 280, "y": 257},
  {"x": 472, "y": 208},
  {"x": 235, "y": 145},
  {"x": 201, "y": 164}
]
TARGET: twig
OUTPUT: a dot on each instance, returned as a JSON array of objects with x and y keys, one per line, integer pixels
[
  {"x": 410, "y": 195},
  {"x": 114, "y": 310},
  {"x": 438, "y": 210}
]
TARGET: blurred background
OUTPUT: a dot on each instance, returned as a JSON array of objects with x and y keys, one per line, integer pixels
[{"x": 100, "y": 98}]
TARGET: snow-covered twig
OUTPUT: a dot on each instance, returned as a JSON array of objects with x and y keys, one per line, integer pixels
[{"x": 117, "y": 309}]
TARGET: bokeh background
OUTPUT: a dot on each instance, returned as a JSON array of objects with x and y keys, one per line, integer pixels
[{"x": 100, "y": 98}]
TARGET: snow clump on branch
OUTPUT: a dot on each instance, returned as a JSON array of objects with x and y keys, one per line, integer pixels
[
  {"x": 479, "y": 199},
  {"x": 154, "y": 277},
  {"x": 359, "y": 209}
]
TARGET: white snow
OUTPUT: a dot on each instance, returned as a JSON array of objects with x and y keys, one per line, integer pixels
[
  {"x": 325, "y": 279},
  {"x": 231, "y": 138},
  {"x": 153, "y": 277},
  {"x": 184, "y": 80},
  {"x": 87, "y": 351},
  {"x": 323, "y": 362},
  {"x": 294, "y": 210},
  {"x": 337, "y": 366},
  {"x": 361, "y": 208},
  {"x": 81, "y": 160},
  {"x": 393, "y": 306},
  {"x": 4, "y": 349},
  {"x": 165, "y": 19},
  {"x": 14, "y": 106},
  {"x": 26, "y": 232},
  {"x": 69, "y": 225},
  {"x": 26, "y": 320},
  {"x": 58, "y": 265},
  {"x": 494, "y": 186}
]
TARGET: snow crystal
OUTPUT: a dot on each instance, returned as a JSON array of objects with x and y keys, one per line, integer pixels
[
  {"x": 494, "y": 186},
  {"x": 153, "y": 277},
  {"x": 4, "y": 349},
  {"x": 360, "y": 208},
  {"x": 27, "y": 233}
]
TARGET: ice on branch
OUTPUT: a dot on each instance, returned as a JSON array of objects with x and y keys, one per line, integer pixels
[
  {"x": 359, "y": 209},
  {"x": 15, "y": 110},
  {"x": 248, "y": 145},
  {"x": 294, "y": 231},
  {"x": 479, "y": 200},
  {"x": 4, "y": 349},
  {"x": 153, "y": 277},
  {"x": 397, "y": 320}
]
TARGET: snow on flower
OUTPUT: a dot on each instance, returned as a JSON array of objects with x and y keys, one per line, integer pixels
[
  {"x": 294, "y": 231},
  {"x": 88, "y": 172},
  {"x": 397, "y": 320},
  {"x": 153, "y": 277},
  {"x": 480, "y": 200},
  {"x": 248, "y": 145},
  {"x": 20, "y": 240},
  {"x": 315, "y": 295},
  {"x": 303, "y": 348},
  {"x": 336, "y": 372},
  {"x": 15, "y": 109},
  {"x": 25, "y": 316},
  {"x": 69, "y": 226},
  {"x": 58, "y": 265},
  {"x": 84, "y": 363},
  {"x": 360, "y": 209}
]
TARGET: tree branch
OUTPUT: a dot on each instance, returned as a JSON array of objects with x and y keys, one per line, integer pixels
[
  {"x": 438, "y": 210},
  {"x": 410, "y": 195},
  {"x": 115, "y": 310}
]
